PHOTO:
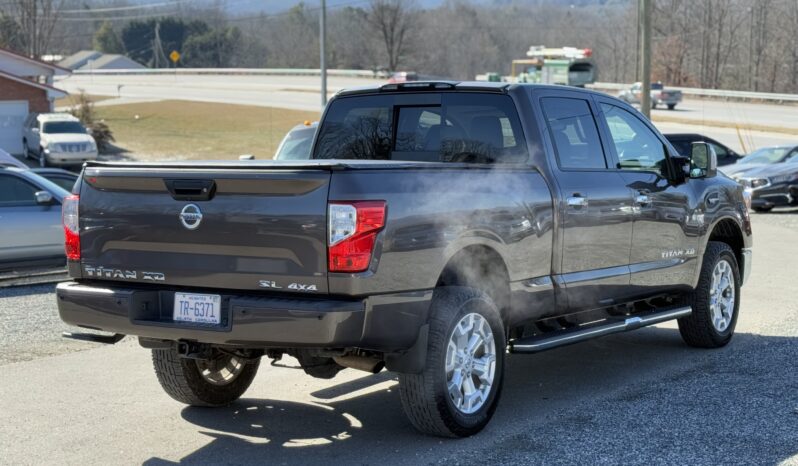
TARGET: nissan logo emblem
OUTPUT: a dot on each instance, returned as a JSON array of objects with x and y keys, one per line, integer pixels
[{"x": 191, "y": 216}]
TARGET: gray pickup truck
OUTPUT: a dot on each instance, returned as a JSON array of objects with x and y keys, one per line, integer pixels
[{"x": 437, "y": 227}]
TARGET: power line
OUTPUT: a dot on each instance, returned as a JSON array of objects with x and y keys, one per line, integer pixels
[
  {"x": 124, "y": 8},
  {"x": 118, "y": 18},
  {"x": 289, "y": 12}
]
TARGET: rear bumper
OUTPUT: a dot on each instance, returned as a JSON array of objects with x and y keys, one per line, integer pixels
[{"x": 381, "y": 323}]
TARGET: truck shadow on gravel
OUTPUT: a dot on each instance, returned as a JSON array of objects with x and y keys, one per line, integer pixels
[{"x": 641, "y": 397}]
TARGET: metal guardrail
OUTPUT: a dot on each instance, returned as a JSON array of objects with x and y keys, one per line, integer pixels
[
  {"x": 369, "y": 74},
  {"x": 237, "y": 71},
  {"x": 713, "y": 93}
]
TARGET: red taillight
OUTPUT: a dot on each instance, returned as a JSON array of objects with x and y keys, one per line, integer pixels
[
  {"x": 69, "y": 217},
  {"x": 353, "y": 229}
]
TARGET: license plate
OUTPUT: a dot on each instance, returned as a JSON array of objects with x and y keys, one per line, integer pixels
[{"x": 198, "y": 308}]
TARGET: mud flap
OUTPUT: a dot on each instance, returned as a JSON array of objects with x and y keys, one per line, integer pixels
[{"x": 413, "y": 360}]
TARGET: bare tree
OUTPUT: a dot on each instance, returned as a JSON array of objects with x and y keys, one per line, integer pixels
[
  {"x": 393, "y": 20},
  {"x": 36, "y": 19},
  {"x": 731, "y": 44}
]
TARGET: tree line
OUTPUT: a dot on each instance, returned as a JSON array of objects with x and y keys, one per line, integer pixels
[
  {"x": 729, "y": 44},
  {"x": 150, "y": 42}
]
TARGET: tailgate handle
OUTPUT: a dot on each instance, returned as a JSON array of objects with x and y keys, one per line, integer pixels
[{"x": 191, "y": 190}]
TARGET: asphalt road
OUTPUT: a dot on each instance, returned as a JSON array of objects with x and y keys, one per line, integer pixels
[
  {"x": 636, "y": 398},
  {"x": 292, "y": 92},
  {"x": 302, "y": 93}
]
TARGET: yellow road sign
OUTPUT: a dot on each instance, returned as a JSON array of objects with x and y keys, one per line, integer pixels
[{"x": 175, "y": 56}]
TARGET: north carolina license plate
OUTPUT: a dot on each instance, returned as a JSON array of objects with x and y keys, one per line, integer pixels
[{"x": 198, "y": 308}]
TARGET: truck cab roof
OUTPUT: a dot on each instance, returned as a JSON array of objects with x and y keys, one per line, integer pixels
[{"x": 443, "y": 86}]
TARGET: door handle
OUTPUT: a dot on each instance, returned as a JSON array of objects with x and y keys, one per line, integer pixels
[
  {"x": 576, "y": 201},
  {"x": 642, "y": 200}
]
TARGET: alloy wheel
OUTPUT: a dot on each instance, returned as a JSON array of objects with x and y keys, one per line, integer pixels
[{"x": 470, "y": 363}]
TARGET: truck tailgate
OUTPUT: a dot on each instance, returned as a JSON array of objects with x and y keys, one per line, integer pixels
[{"x": 231, "y": 228}]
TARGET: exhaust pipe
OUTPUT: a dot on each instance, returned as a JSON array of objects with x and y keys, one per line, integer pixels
[{"x": 361, "y": 363}]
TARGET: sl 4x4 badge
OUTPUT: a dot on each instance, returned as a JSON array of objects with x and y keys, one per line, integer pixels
[{"x": 272, "y": 285}]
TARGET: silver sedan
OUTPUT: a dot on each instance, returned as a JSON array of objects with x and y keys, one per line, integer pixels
[{"x": 31, "y": 232}]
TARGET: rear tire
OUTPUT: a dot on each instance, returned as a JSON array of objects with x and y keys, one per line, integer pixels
[
  {"x": 194, "y": 382},
  {"x": 25, "y": 150},
  {"x": 715, "y": 301},
  {"x": 440, "y": 402},
  {"x": 671, "y": 106}
]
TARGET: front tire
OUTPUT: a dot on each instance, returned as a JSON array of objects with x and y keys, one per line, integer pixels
[
  {"x": 671, "y": 106},
  {"x": 216, "y": 382},
  {"x": 762, "y": 210},
  {"x": 42, "y": 158},
  {"x": 457, "y": 392},
  {"x": 715, "y": 301}
]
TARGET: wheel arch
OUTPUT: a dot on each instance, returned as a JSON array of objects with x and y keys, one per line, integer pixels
[
  {"x": 728, "y": 230},
  {"x": 479, "y": 266}
]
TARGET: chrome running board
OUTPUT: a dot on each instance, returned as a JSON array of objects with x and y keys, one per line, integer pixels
[{"x": 538, "y": 343}]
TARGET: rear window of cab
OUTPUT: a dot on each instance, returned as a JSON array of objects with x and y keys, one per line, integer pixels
[{"x": 458, "y": 127}]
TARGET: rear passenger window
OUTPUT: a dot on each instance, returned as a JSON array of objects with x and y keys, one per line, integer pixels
[{"x": 574, "y": 133}]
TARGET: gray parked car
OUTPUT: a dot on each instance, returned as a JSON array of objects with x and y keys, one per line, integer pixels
[
  {"x": 296, "y": 144},
  {"x": 31, "y": 232},
  {"x": 758, "y": 159},
  {"x": 8, "y": 160},
  {"x": 64, "y": 178}
]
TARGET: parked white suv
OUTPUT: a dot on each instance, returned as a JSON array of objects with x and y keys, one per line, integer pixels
[{"x": 57, "y": 139}]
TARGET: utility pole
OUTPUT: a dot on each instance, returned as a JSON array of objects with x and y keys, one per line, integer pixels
[
  {"x": 156, "y": 46},
  {"x": 637, "y": 43},
  {"x": 158, "y": 55},
  {"x": 644, "y": 10},
  {"x": 322, "y": 54}
]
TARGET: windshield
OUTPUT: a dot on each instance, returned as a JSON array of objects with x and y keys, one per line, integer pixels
[
  {"x": 445, "y": 127},
  {"x": 656, "y": 86},
  {"x": 296, "y": 145},
  {"x": 766, "y": 155},
  {"x": 61, "y": 127}
]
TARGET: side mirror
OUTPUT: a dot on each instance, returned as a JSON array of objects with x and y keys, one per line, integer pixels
[
  {"x": 703, "y": 161},
  {"x": 43, "y": 197}
]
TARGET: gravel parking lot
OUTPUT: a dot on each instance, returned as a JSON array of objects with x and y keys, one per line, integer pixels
[{"x": 635, "y": 398}]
